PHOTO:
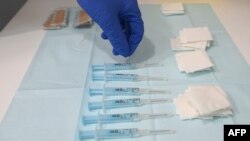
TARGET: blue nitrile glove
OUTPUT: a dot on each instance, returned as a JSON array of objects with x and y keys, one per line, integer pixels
[{"x": 120, "y": 21}]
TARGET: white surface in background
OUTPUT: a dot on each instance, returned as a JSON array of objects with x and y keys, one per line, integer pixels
[
  {"x": 15, "y": 55},
  {"x": 21, "y": 37}
]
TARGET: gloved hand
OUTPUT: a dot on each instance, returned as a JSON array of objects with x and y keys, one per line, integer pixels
[{"x": 120, "y": 21}]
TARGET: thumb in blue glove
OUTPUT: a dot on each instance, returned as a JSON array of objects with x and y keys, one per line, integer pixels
[{"x": 120, "y": 21}]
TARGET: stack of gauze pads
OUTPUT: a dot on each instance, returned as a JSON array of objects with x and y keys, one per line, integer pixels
[
  {"x": 203, "y": 102},
  {"x": 168, "y": 8},
  {"x": 192, "y": 42},
  {"x": 192, "y": 39}
]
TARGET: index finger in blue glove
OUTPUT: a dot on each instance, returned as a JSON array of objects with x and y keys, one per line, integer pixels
[
  {"x": 124, "y": 28},
  {"x": 134, "y": 24},
  {"x": 136, "y": 34},
  {"x": 104, "y": 36},
  {"x": 117, "y": 38},
  {"x": 108, "y": 15}
]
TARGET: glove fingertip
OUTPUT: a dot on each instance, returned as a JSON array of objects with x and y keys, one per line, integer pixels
[
  {"x": 104, "y": 36},
  {"x": 115, "y": 52},
  {"x": 121, "y": 52}
]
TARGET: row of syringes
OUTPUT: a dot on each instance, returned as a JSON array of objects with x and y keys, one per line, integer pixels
[
  {"x": 120, "y": 133},
  {"x": 121, "y": 66},
  {"x": 120, "y": 76},
  {"x": 99, "y": 134},
  {"x": 125, "y": 91}
]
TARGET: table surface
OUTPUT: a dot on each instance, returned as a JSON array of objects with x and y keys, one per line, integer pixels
[{"x": 22, "y": 36}]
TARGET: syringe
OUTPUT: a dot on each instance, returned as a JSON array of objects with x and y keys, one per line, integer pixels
[
  {"x": 125, "y": 91},
  {"x": 121, "y": 133},
  {"x": 122, "y": 103},
  {"x": 125, "y": 117},
  {"x": 121, "y": 66},
  {"x": 125, "y": 77}
]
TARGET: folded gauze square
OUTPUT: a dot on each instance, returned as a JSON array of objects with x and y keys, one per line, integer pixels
[
  {"x": 168, "y": 8},
  {"x": 208, "y": 100},
  {"x": 204, "y": 102},
  {"x": 195, "y": 34},
  {"x": 184, "y": 108},
  {"x": 193, "y": 61}
]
